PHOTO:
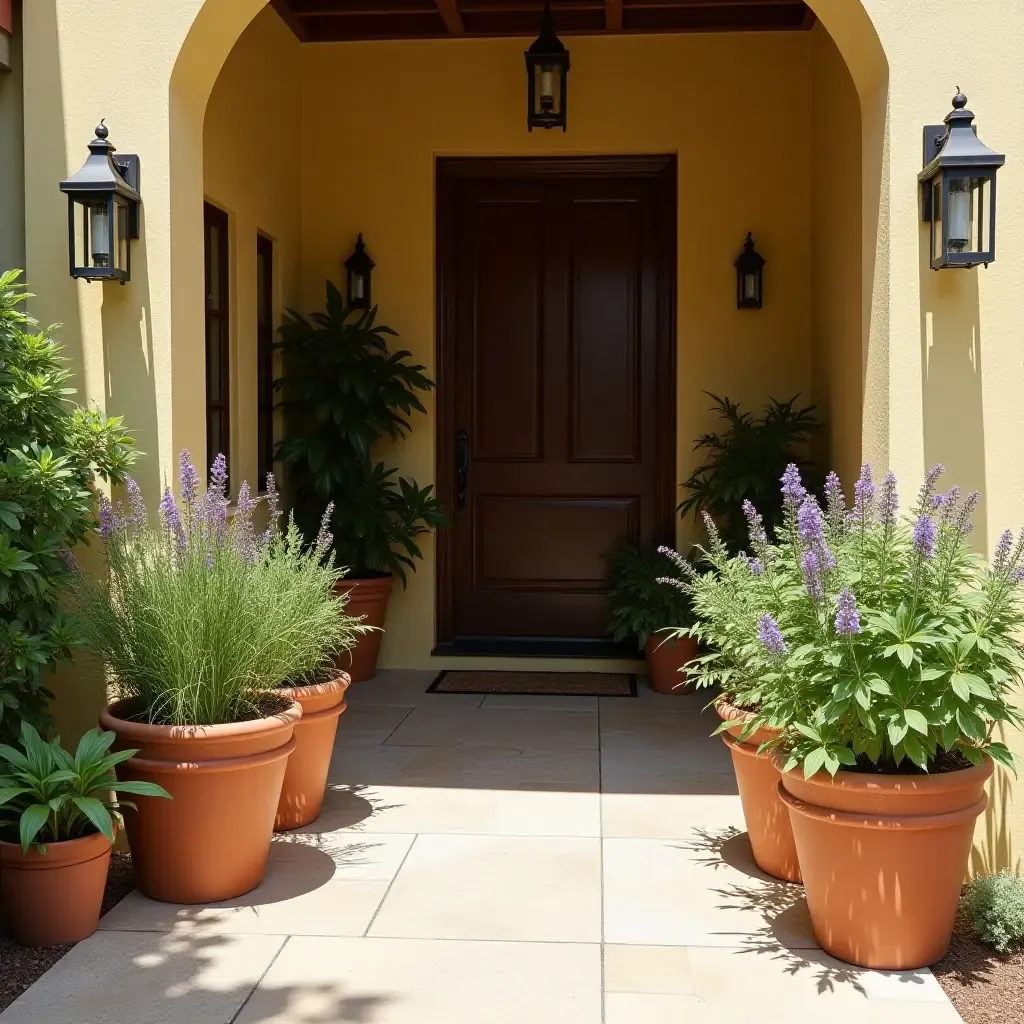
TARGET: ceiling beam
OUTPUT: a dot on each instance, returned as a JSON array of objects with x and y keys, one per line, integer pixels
[
  {"x": 449, "y": 10},
  {"x": 613, "y": 15}
]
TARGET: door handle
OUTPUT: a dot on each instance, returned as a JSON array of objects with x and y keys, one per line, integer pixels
[{"x": 461, "y": 466}]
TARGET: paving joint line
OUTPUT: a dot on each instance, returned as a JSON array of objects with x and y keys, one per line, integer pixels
[
  {"x": 259, "y": 980},
  {"x": 387, "y": 891}
]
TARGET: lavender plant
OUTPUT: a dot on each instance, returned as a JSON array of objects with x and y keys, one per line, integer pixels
[
  {"x": 876, "y": 642},
  {"x": 201, "y": 614}
]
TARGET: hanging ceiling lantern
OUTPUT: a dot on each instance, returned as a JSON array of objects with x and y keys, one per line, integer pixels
[
  {"x": 749, "y": 276},
  {"x": 547, "y": 74},
  {"x": 103, "y": 212},
  {"x": 958, "y": 191},
  {"x": 358, "y": 269}
]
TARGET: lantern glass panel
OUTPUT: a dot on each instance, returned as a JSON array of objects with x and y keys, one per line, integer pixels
[
  {"x": 937, "y": 219},
  {"x": 357, "y": 286},
  {"x": 959, "y": 216},
  {"x": 121, "y": 236},
  {"x": 750, "y": 286},
  {"x": 547, "y": 91},
  {"x": 99, "y": 255}
]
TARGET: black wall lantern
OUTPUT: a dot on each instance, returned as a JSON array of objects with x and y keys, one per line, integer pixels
[
  {"x": 547, "y": 75},
  {"x": 749, "y": 276},
  {"x": 958, "y": 191},
  {"x": 103, "y": 212},
  {"x": 358, "y": 268}
]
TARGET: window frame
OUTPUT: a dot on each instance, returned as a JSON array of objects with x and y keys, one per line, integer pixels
[
  {"x": 218, "y": 411},
  {"x": 264, "y": 358}
]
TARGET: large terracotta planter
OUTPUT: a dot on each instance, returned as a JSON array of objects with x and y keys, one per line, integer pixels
[
  {"x": 54, "y": 898},
  {"x": 305, "y": 778},
  {"x": 367, "y": 598},
  {"x": 757, "y": 778},
  {"x": 883, "y": 859},
  {"x": 664, "y": 660},
  {"x": 211, "y": 840}
]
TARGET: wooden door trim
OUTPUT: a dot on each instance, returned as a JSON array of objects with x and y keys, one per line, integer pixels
[{"x": 449, "y": 171}]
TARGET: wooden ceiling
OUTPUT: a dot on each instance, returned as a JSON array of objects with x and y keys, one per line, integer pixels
[{"x": 324, "y": 21}]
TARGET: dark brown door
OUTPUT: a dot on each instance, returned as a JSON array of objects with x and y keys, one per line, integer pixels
[{"x": 557, "y": 416}]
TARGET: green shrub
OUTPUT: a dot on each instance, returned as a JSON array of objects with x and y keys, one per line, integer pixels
[
  {"x": 50, "y": 454},
  {"x": 994, "y": 905},
  {"x": 199, "y": 616}
]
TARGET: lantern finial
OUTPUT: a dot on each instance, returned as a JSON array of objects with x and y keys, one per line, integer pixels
[
  {"x": 102, "y": 131},
  {"x": 959, "y": 100}
]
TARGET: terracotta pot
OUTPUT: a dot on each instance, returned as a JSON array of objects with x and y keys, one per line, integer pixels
[
  {"x": 54, "y": 898},
  {"x": 757, "y": 778},
  {"x": 211, "y": 841},
  {"x": 305, "y": 778},
  {"x": 664, "y": 660},
  {"x": 367, "y": 598},
  {"x": 883, "y": 859}
]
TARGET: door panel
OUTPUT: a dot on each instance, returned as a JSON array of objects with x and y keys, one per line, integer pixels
[{"x": 553, "y": 331}]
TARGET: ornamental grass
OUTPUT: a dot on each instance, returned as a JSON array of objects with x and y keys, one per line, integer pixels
[{"x": 200, "y": 615}]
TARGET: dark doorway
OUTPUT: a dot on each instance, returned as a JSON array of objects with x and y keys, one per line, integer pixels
[{"x": 556, "y": 392}]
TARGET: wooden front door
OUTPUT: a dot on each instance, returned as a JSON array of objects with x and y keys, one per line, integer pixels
[{"x": 556, "y": 391}]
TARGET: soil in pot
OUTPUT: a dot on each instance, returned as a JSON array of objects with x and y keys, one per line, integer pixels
[
  {"x": 302, "y": 794},
  {"x": 54, "y": 898},
  {"x": 211, "y": 840},
  {"x": 367, "y": 598},
  {"x": 757, "y": 778},
  {"x": 883, "y": 859},
  {"x": 665, "y": 658}
]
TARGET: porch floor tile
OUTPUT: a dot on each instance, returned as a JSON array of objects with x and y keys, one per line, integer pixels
[{"x": 490, "y": 861}]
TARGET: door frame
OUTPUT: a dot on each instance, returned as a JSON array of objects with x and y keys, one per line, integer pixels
[{"x": 449, "y": 171}]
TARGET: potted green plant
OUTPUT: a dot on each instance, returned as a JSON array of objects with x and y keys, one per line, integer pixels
[
  {"x": 745, "y": 461},
  {"x": 57, "y": 821},
  {"x": 343, "y": 391},
  {"x": 199, "y": 618},
  {"x": 50, "y": 455},
  {"x": 902, "y": 651},
  {"x": 644, "y": 609}
]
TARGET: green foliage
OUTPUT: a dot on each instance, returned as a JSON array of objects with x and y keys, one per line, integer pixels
[
  {"x": 745, "y": 461},
  {"x": 50, "y": 454},
  {"x": 641, "y": 603},
  {"x": 994, "y": 905},
  {"x": 871, "y": 640},
  {"x": 343, "y": 391},
  {"x": 197, "y": 617},
  {"x": 48, "y": 796}
]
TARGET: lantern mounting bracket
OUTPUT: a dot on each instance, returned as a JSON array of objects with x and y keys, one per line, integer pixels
[{"x": 129, "y": 166}]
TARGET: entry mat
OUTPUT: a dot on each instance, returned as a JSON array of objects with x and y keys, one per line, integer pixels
[{"x": 563, "y": 684}]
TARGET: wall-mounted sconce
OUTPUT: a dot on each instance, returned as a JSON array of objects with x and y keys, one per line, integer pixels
[
  {"x": 547, "y": 76},
  {"x": 103, "y": 212},
  {"x": 749, "y": 276},
  {"x": 358, "y": 269},
  {"x": 958, "y": 191}
]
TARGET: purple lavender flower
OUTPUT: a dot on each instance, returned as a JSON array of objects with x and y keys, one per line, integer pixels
[
  {"x": 938, "y": 501},
  {"x": 925, "y": 495},
  {"x": 1017, "y": 575},
  {"x": 219, "y": 474},
  {"x": 136, "y": 504},
  {"x": 756, "y": 567},
  {"x": 833, "y": 487},
  {"x": 324, "y": 537},
  {"x": 793, "y": 491},
  {"x": 273, "y": 511},
  {"x": 189, "y": 477},
  {"x": 890, "y": 500},
  {"x": 863, "y": 495},
  {"x": 171, "y": 516},
  {"x": 963, "y": 520},
  {"x": 835, "y": 503},
  {"x": 950, "y": 503},
  {"x": 755, "y": 524},
  {"x": 809, "y": 524},
  {"x": 1002, "y": 553},
  {"x": 810, "y": 565},
  {"x": 245, "y": 542},
  {"x": 770, "y": 635},
  {"x": 925, "y": 533},
  {"x": 69, "y": 559},
  {"x": 847, "y": 616},
  {"x": 108, "y": 521}
]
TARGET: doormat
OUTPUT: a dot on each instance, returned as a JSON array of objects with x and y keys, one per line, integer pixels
[{"x": 539, "y": 684}]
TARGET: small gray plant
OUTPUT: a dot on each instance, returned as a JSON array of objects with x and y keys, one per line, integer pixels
[{"x": 994, "y": 905}]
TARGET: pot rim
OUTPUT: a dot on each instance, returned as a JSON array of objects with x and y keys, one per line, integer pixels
[
  {"x": 341, "y": 680},
  {"x": 729, "y": 712},
  {"x": 60, "y": 854},
  {"x": 148, "y": 733},
  {"x": 860, "y": 782}
]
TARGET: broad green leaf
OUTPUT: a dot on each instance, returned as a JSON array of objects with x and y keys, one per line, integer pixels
[
  {"x": 96, "y": 813},
  {"x": 916, "y": 721},
  {"x": 32, "y": 820},
  {"x": 906, "y": 654},
  {"x": 814, "y": 762},
  {"x": 897, "y": 731},
  {"x": 142, "y": 789}
]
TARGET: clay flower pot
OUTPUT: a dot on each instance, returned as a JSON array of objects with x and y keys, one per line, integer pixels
[
  {"x": 54, "y": 898},
  {"x": 211, "y": 840},
  {"x": 883, "y": 859},
  {"x": 757, "y": 778},
  {"x": 664, "y": 660},
  {"x": 367, "y": 598},
  {"x": 305, "y": 778}
]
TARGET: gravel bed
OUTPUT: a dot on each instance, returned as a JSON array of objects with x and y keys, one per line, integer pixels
[{"x": 19, "y": 967}]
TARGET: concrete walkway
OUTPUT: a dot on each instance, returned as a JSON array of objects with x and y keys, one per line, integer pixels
[{"x": 493, "y": 860}]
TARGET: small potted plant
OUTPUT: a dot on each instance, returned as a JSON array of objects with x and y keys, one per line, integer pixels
[
  {"x": 902, "y": 651},
  {"x": 199, "y": 619},
  {"x": 343, "y": 392},
  {"x": 57, "y": 821},
  {"x": 644, "y": 609}
]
